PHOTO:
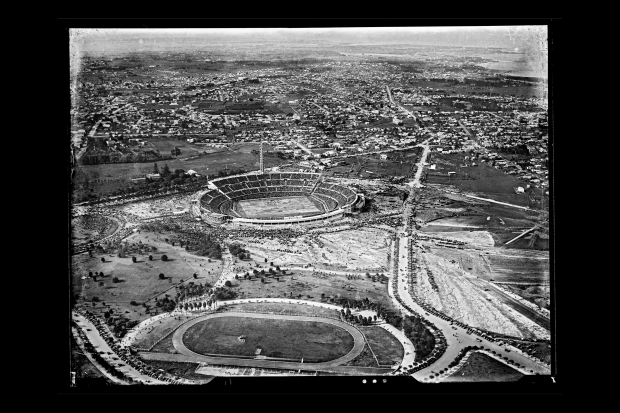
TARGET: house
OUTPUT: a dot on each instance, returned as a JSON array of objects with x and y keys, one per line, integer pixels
[
  {"x": 153, "y": 176},
  {"x": 191, "y": 172},
  {"x": 383, "y": 157}
]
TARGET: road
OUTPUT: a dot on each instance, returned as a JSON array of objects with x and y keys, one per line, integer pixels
[
  {"x": 456, "y": 337},
  {"x": 302, "y": 146},
  {"x": 108, "y": 354},
  {"x": 389, "y": 93},
  {"x": 465, "y": 129}
]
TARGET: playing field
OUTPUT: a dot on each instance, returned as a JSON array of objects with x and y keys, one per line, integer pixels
[
  {"x": 312, "y": 341},
  {"x": 277, "y": 207}
]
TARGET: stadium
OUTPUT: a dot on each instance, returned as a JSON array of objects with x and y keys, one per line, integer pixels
[{"x": 277, "y": 198}]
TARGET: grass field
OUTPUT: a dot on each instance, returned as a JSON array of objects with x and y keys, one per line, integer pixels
[
  {"x": 386, "y": 347},
  {"x": 310, "y": 287},
  {"x": 312, "y": 341},
  {"x": 139, "y": 281},
  {"x": 483, "y": 179},
  {"x": 149, "y": 336},
  {"x": 482, "y": 368},
  {"x": 225, "y": 159},
  {"x": 277, "y": 207}
]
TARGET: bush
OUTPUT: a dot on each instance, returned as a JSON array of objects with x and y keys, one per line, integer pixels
[
  {"x": 164, "y": 257},
  {"x": 115, "y": 280},
  {"x": 162, "y": 276},
  {"x": 228, "y": 283},
  {"x": 132, "y": 302}
]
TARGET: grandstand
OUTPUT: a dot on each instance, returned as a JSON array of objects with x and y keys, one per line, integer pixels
[{"x": 305, "y": 198}]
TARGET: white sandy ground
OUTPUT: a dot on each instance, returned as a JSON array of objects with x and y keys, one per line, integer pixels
[
  {"x": 358, "y": 249},
  {"x": 462, "y": 300},
  {"x": 161, "y": 206}
]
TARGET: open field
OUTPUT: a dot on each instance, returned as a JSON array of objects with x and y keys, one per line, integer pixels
[
  {"x": 483, "y": 179},
  {"x": 277, "y": 207},
  {"x": 384, "y": 345},
  {"x": 166, "y": 144},
  {"x": 482, "y": 368},
  {"x": 206, "y": 164},
  {"x": 151, "y": 334},
  {"x": 139, "y": 281},
  {"x": 520, "y": 266},
  {"x": 312, "y": 341},
  {"x": 399, "y": 163},
  {"x": 310, "y": 286}
]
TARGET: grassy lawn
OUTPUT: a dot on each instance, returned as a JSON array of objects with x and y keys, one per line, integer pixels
[
  {"x": 312, "y": 341},
  {"x": 364, "y": 359},
  {"x": 165, "y": 346},
  {"x": 482, "y": 368},
  {"x": 139, "y": 281},
  {"x": 386, "y": 347},
  {"x": 311, "y": 287},
  {"x": 154, "y": 332}
]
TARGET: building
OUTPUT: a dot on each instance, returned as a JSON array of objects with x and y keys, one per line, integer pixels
[{"x": 153, "y": 176}]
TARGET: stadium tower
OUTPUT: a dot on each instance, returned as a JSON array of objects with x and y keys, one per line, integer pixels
[{"x": 262, "y": 167}]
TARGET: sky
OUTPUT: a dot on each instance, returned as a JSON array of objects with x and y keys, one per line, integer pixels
[
  {"x": 531, "y": 41},
  {"x": 474, "y": 36}
]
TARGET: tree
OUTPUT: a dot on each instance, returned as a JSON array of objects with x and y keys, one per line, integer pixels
[
  {"x": 155, "y": 168},
  {"x": 265, "y": 259},
  {"x": 228, "y": 283},
  {"x": 90, "y": 274},
  {"x": 164, "y": 257},
  {"x": 133, "y": 259},
  {"x": 375, "y": 317},
  {"x": 150, "y": 258},
  {"x": 322, "y": 296},
  {"x": 162, "y": 276},
  {"x": 115, "y": 280},
  {"x": 262, "y": 280},
  {"x": 166, "y": 171},
  {"x": 102, "y": 259},
  {"x": 195, "y": 276}
]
